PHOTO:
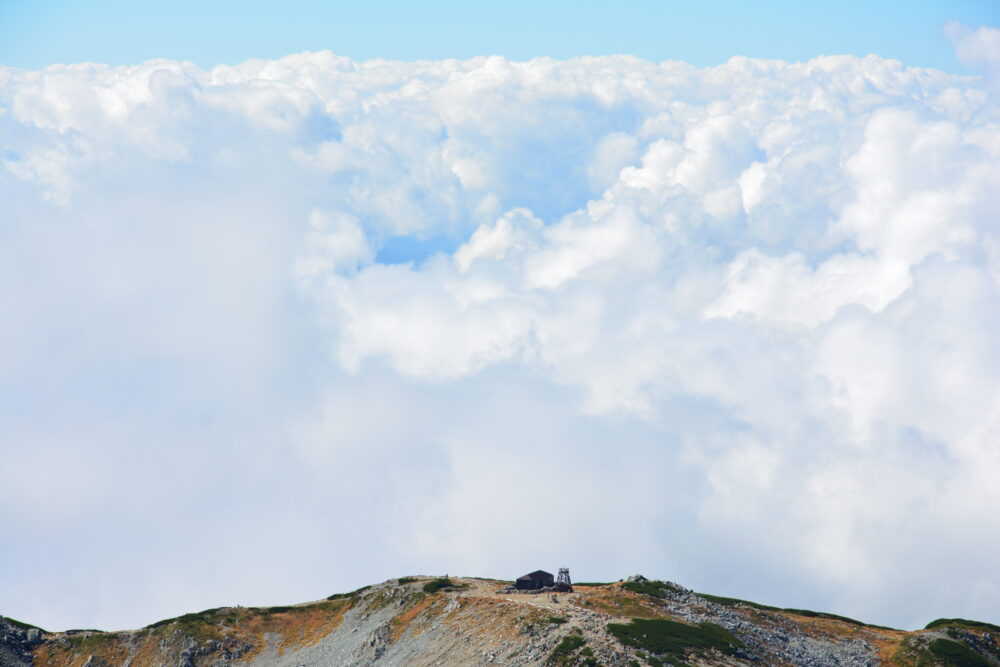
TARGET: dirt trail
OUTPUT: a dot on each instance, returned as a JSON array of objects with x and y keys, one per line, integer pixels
[{"x": 488, "y": 589}]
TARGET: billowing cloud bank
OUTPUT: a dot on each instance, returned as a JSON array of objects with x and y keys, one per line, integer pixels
[{"x": 286, "y": 327}]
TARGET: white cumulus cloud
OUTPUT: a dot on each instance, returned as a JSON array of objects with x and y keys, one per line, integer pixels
[{"x": 337, "y": 321}]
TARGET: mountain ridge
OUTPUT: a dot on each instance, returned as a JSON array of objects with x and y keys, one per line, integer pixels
[{"x": 423, "y": 620}]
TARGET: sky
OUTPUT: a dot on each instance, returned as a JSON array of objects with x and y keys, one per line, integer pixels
[
  {"x": 209, "y": 32},
  {"x": 281, "y": 327}
]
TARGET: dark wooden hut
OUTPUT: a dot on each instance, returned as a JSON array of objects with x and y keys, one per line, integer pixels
[{"x": 534, "y": 581}]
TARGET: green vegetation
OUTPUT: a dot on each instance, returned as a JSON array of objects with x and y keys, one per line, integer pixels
[
  {"x": 660, "y": 589},
  {"x": 587, "y": 658},
  {"x": 207, "y": 624},
  {"x": 732, "y": 602},
  {"x": 202, "y": 624},
  {"x": 820, "y": 614},
  {"x": 352, "y": 594},
  {"x": 556, "y": 620},
  {"x": 23, "y": 625},
  {"x": 266, "y": 611},
  {"x": 670, "y": 640},
  {"x": 954, "y": 654},
  {"x": 186, "y": 619},
  {"x": 654, "y": 589},
  {"x": 437, "y": 584},
  {"x": 978, "y": 625},
  {"x": 563, "y": 653},
  {"x": 938, "y": 653},
  {"x": 405, "y": 580},
  {"x": 442, "y": 584},
  {"x": 91, "y": 643},
  {"x": 964, "y": 634}
]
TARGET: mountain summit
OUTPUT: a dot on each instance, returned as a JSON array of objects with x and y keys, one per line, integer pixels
[{"x": 472, "y": 621}]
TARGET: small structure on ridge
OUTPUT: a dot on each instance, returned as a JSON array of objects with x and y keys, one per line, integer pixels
[
  {"x": 563, "y": 584},
  {"x": 534, "y": 581}
]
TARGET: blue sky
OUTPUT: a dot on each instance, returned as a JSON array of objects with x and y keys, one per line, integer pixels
[{"x": 38, "y": 33}]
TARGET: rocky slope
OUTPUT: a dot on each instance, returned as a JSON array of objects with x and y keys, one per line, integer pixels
[{"x": 466, "y": 621}]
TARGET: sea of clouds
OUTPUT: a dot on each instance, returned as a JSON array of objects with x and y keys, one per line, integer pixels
[{"x": 288, "y": 327}]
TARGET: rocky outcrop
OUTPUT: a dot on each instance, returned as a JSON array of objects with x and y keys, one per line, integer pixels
[
  {"x": 17, "y": 640},
  {"x": 784, "y": 642}
]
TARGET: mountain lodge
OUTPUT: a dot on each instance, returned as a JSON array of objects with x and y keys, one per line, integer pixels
[{"x": 535, "y": 580}]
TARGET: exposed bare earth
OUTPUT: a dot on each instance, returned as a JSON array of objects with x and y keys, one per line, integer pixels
[{"x": 467, "y": 622}]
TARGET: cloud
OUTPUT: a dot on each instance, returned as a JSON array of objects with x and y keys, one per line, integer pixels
[
  {"x": 974, "y": 47},
  {"x": 736, "y": 319}
]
